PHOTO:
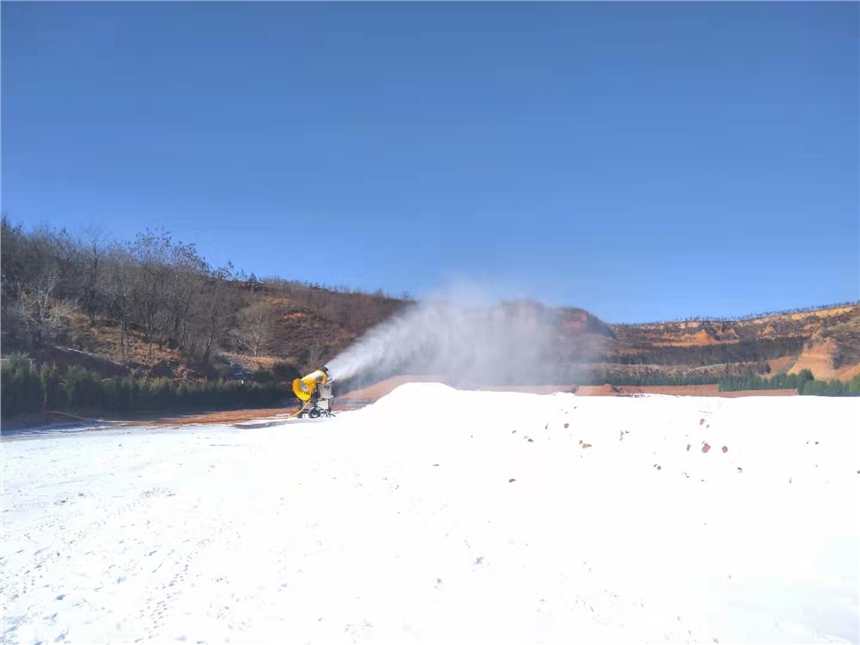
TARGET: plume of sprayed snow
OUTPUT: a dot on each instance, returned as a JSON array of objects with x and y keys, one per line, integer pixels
[{"x": 461, "y": 337}]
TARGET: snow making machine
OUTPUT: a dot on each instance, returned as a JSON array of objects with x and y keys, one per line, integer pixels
[{"x": 315, "y": 393}]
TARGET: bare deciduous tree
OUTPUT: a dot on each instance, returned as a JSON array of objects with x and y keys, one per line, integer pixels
[
  {"x": 216, "y": 307},
  {"x": 254, "y": 327},
  {"x": 117, "y": 283},
  {"x": 92, "y": 253}
]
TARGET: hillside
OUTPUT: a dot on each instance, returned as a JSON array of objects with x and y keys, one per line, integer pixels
[
  {"x": 825, "y": 340},
  {"x": 154, "y": 308},
  {"x": 311, "y": 325}
]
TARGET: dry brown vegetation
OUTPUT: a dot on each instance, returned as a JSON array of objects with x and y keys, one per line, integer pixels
[{"x": 154, "y": 307}]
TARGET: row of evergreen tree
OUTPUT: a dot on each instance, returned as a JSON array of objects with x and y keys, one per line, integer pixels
[
  {"x": 804, "y": 383},
  {"x": 654, "y": 378},
  {"x": 28, "y": 390},
  {"x": 751, "y": 350}
]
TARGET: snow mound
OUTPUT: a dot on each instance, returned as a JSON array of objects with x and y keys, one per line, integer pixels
[{"x": 415, "y": 396}]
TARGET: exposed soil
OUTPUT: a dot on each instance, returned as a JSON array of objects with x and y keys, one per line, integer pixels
[
  {"x": 382, "y": 388},
  {"x": 848, "y": 373},
  {"x": 536, "y": 389},
  {"x": 598, "y": 390},
  {"x": 818, "y": 358},
  {"x": 225, "y": 417},
  {"x": 378, "y": 390},
  {"x": 778, "y": 365}
]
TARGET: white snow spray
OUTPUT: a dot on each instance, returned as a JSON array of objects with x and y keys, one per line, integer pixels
[{"x": 462, "y": 339}]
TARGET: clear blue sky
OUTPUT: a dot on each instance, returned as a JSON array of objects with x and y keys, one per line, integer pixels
[{"x": 644, "y": 161}]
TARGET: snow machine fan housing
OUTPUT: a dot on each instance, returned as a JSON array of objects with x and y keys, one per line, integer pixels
[{"x": 314, "y": 390}]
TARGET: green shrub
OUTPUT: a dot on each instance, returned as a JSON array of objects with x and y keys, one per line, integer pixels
[
  {"x": 83, "y": 388},
  {"x": 263, "y": 376},
  {"x": 21, "y": 386},
  {"x": 646, "y": 379},
  {"x": 53, "y": 394},
  {"x": 284, "y": 371},
  {"x": 26, "y": 390},
  {"x": 778, "y": 382}
]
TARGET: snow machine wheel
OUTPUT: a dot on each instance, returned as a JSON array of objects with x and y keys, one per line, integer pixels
[{"x": 314, "y": 414}]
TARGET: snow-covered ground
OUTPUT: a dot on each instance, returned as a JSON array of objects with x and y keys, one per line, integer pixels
[{"x": 444, "y": 516}]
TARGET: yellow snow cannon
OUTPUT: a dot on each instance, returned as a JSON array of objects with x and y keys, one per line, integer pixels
[{"x": 314, "y": 390}]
